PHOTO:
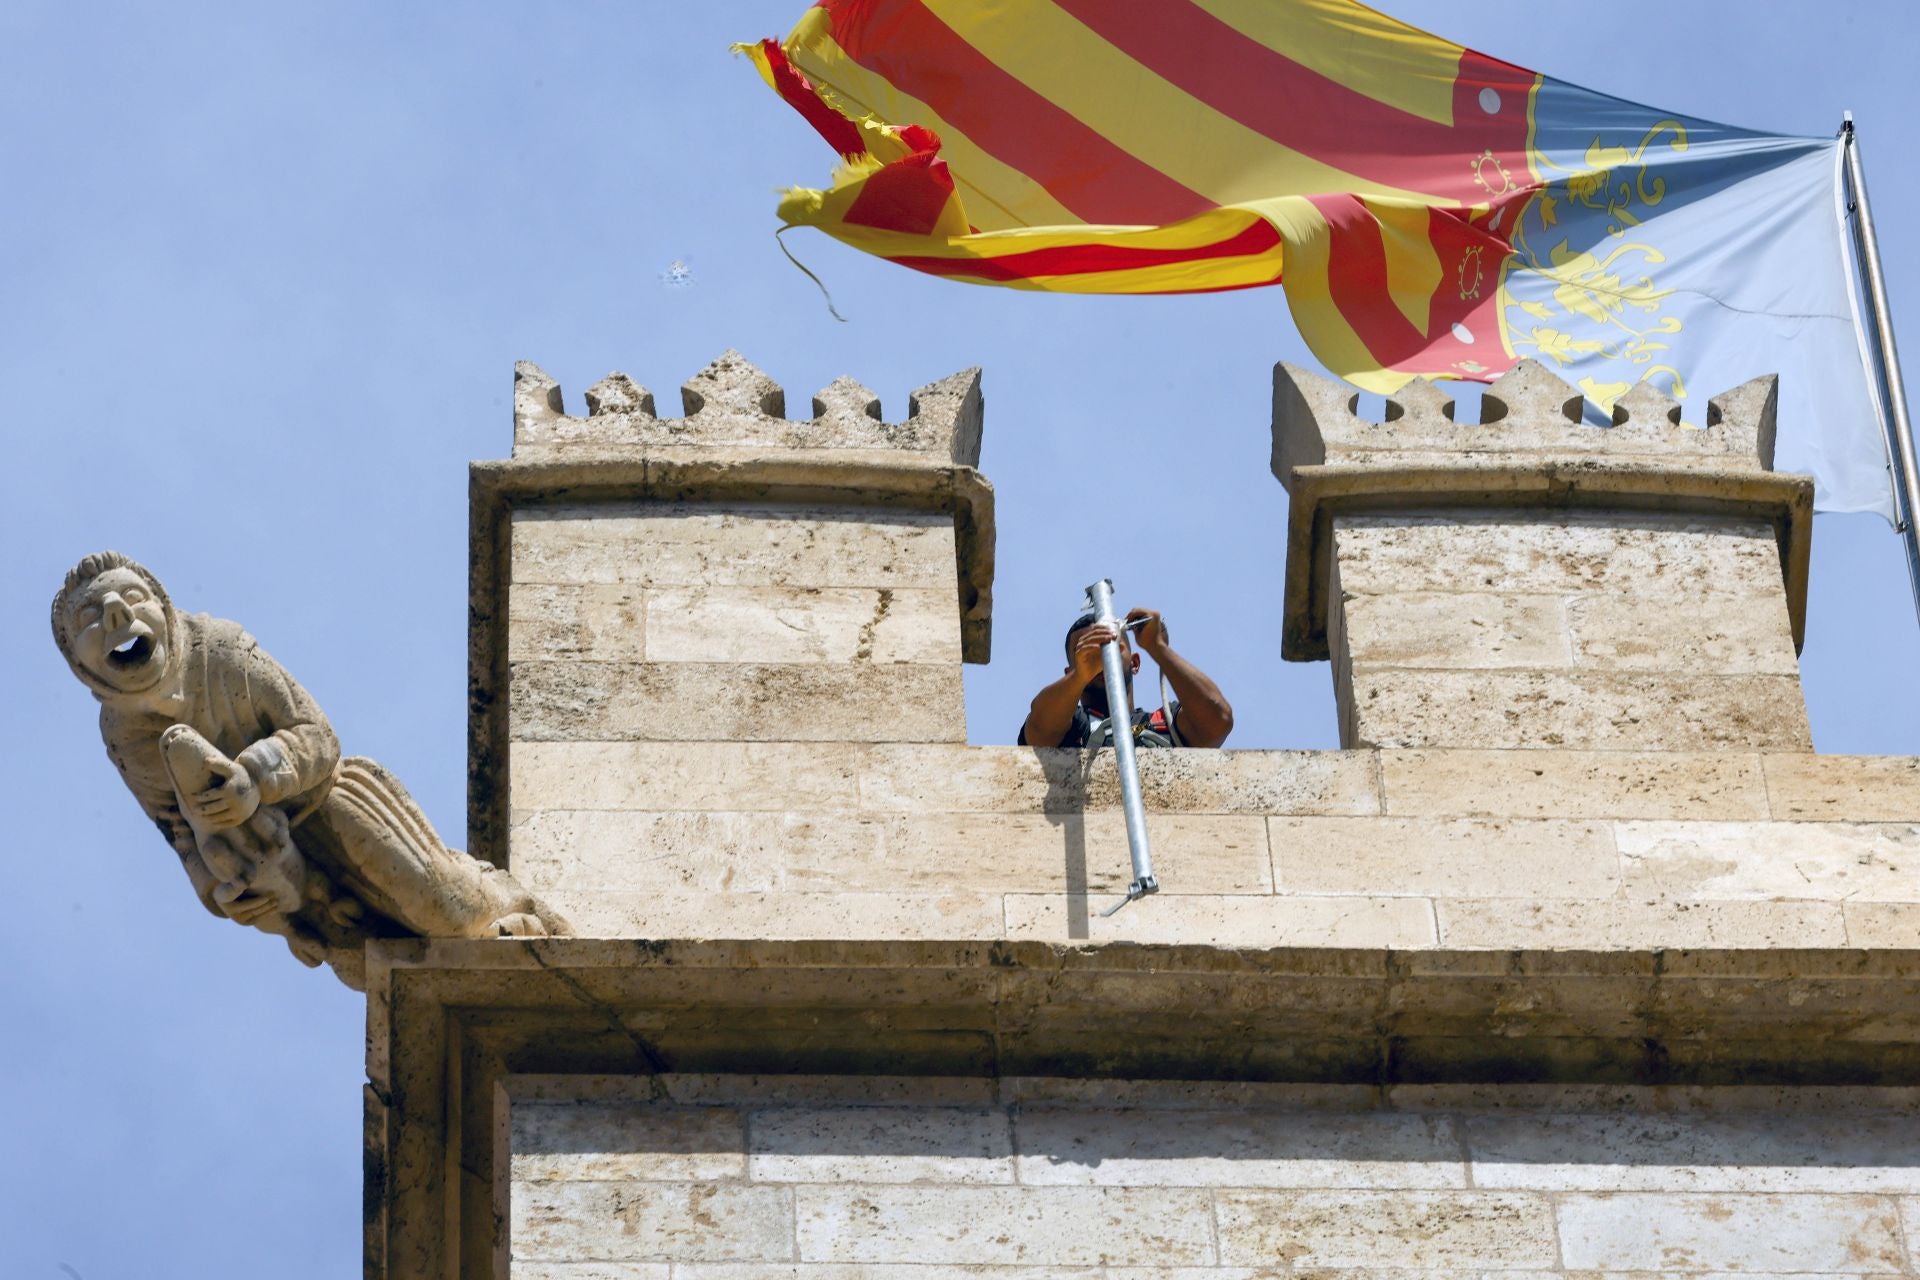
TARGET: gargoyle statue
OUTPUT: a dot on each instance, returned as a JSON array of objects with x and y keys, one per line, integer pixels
[{"x": 241, "y": 772}]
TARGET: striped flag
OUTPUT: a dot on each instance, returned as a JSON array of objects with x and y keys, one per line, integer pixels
[{"x": 1430, "y": 211}]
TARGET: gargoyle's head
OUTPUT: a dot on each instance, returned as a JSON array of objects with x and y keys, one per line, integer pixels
[{"x": 115, "y": 625}]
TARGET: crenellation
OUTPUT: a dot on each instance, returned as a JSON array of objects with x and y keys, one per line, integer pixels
[
  {"x": 733, "y": 411},
  {"x": 618, "y": 394},
  {"x": 845, "y": 402}
]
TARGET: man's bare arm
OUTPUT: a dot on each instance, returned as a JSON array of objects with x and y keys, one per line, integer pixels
[
  {"x": 1205, "y": 718},
  {"x": 1051, "y": 714}
]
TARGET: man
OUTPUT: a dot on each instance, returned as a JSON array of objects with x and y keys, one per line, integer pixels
[{"x": 1072, "y": 711}]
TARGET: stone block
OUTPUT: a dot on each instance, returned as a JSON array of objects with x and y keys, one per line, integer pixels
[
  {"x": 620, "y": 851},
  {"x": 1730, "y": 1232},
  {"x": 1454, "y": 630},
  {"x": 1622, "y": 924},
  {"x": 1385, "y": 1229},
  {"x": 675, "y": 913},
  {"x": 1815, "y": 788},
  {"x": 881, "y": 1271},
  {"x": 812, "y": 1091},
  {"x": 604, "y": 622},
  {"x": 626, "y": 1141},
  {"x": 1576, "y": 784},
  {"x": 1864, "y": 1152},
  {"x": 744, "y": 701},
  {"x": 948, "y": 1145},
  {"x": 739, "y": 776},
  {"x": 590, "y": 852},
  {"x": 1427, "y": 857},
  {"x": 664, "y": 544},
  {"x": 802, "y": 624},
  {"x": 1292, "y": 1149},
  {"x": 641, "y": 1221},
  {"x": 1051, "y": 1226},
  {"x": 1711, "y": 635},
  {"x": 1608, "y": 711},
  {"x": 1647, "y": 555},
  {"x": 1722, "y": 861},
  {"x": 1893, "y": 925},
  {"x": 1234, "y": 921},
  {"x": 1020, "y": 779},
  {"x": 528, "y": 1269}
]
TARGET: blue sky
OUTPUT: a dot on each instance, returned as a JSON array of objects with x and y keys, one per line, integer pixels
[{"x": 264, "y": 274}]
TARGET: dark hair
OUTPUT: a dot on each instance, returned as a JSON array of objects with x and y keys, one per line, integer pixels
[
  {"x": 1080, "y": 624},
  {"x": 86, "y": 571}
]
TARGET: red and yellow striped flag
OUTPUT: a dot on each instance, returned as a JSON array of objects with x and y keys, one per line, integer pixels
[{"x": 1175, "y": 146}]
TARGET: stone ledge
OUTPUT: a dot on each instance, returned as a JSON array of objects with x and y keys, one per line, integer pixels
[{"x": 450, "y": 1023}]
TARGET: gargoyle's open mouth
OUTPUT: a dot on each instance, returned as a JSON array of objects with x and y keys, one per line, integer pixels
[{"x": 134, "y": 653}]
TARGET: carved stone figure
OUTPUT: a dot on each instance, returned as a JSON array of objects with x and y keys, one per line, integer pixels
[{"x": 242, "y": 773}]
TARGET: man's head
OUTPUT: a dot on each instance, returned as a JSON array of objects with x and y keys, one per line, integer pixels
[
  {"x": 1094, "y": 696},
  {"x": 115, "y": 625}
]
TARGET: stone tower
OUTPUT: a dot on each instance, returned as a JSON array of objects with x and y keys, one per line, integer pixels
[{"x": 1574, "y": 960}]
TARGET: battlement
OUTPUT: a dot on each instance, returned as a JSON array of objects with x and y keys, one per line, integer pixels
[
  {"x": 1527, "y": 413},
  {"x": 732, "y": 404}
]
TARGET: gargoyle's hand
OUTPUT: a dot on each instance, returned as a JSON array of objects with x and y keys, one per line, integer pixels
[
  {"x": 244, "y": 906},
  {"x": 230, "y": 801}
]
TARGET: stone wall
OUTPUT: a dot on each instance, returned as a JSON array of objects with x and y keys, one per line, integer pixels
[
  {"x": 1405, "y": 849},
  {"x": 1575, "y": 964},
  {"x": 807, "y": 1178}
]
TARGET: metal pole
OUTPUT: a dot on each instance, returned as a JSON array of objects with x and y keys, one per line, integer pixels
[
  {"x": 1120, "y": 717},
  {"x": 1900, "y": 448}
]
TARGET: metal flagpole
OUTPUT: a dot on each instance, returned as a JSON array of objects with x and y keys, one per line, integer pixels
[
  {"x": 1120, "y": 718},
  {"x": 1900, "y": 448}
]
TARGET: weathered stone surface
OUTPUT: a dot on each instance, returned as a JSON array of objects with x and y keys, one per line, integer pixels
[
  {"x": 688, "y": 776},
  {"x": 675, "y": 913},
  {"x": 741, "y": 702},
  {"x": 640, "y": 1221},
  {"x": 1576, "y": 784},
  {"x": 1020, "y": 779},
  {"x": 1776, "y": 1233},
  {"x": 601, "y": 850},
  {"x": 1222, "y": 921},
  {"x": 664, "y": 544},
  {"x": 1883, "y": 924},
  {"x": 1638, "y": 924},
  {"x": 1054, "y": 1226},
  {"x": 1711, "y": 635},
  {"x": 1608, "y": 711},
  {"x": 1143, "y": 1148},
  {"x": 1627, "y": 555},
  {"x": 1729, "y": 861},
  {"x": 880, "y": 1271},
  {"x": 1455, "y": 630},
  {"x": 947, "y": 1145},
  {"x": 626, "y": 1141},
  {"x": 1477, "y": 857},
  {"x": 802, "y": 624},
  {"x": 598, "y": 623},
  {"x": 1844, "y": 788},
  {"x": 1766, "y": 1151},
  {"x": 529, "y": 1269},
  {"x": 1385, "y": 1229}
]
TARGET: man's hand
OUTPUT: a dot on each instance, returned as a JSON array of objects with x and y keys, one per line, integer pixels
[
  {"x": 230, "y": 802},
  {"x": 1087, "y": 666},
  {"x": 1152, "y": 635}
]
